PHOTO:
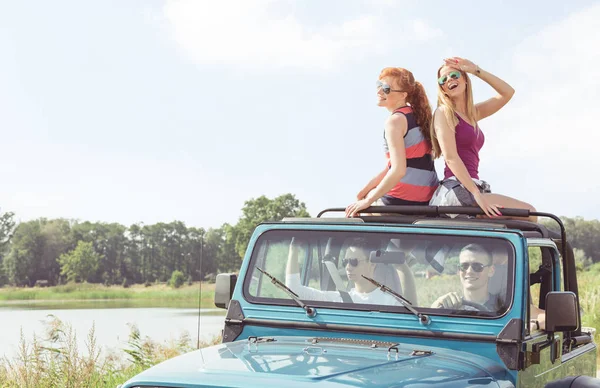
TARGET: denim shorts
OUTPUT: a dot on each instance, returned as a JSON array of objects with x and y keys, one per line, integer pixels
[{"x": 452, "y": 193}]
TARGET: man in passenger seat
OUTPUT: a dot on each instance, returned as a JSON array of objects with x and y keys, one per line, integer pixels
[{"x": 356, "y": 262}]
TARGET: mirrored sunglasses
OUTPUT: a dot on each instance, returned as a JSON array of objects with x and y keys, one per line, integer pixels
[
  {"x": 454, "y": 75},
  {"x": 385, "y": 87}
]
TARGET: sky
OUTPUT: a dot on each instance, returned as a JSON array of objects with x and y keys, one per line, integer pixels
[{"x": 153, "y": 111}]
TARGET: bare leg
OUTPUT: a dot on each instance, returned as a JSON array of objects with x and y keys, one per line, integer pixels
[{"x": 509, "y": 202}]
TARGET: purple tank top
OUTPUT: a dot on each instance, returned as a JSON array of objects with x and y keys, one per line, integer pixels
[{"x": 468, "y": 143}]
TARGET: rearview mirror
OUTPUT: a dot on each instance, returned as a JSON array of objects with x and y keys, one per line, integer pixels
[
  {"x": 387, "y": 257},
  {"x": 562, "y": 311},
  {"x": 224, "y": 286}
]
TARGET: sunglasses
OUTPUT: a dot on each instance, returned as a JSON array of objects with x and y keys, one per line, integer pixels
[
  {"x": 353, "y": 262},
  {"x": 386, "y": 88},
  {"x": 477, "y": 267},
  {"x": 453, "y": 75}
]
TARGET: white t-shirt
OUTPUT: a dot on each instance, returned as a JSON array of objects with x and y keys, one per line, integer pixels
[{"x": 308, "y": 293}]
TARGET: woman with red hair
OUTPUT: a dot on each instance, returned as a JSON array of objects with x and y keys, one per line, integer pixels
[{"x": 409, "y": 177}]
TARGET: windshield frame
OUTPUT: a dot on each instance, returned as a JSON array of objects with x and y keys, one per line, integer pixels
[{"x": 259, "y": 247}]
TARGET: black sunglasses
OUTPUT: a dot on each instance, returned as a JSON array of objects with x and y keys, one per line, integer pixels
[
  {"x": 386, "y": 88},
  {"x": 353, "y": 262},
  {"x": 477, "y": 267}
]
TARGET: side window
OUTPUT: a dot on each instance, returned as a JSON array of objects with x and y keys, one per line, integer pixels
[
  {"x": 535, "y": 260},
  {"x": 541, "y": 282}
]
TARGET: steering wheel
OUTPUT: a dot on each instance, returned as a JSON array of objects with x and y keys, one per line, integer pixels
[{"x": 478, "y": 306}]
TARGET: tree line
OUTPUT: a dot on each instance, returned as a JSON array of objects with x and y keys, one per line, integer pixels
[{"x": 59, "y": 250}]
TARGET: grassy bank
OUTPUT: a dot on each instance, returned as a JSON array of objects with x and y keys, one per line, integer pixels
[
  {"x": 87, "y": 291},
  {"x": 55, "y": 360}
]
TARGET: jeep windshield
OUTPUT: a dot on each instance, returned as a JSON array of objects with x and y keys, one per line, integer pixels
[{"x": 437, "y": 274}]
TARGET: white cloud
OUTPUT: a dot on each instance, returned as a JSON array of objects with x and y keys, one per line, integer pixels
[
  {"x": 252, "y": 34},
  {"x": 546, "y": 139}
]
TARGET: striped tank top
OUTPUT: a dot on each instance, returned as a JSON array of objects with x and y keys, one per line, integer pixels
[{"x": 420, "y": 181}]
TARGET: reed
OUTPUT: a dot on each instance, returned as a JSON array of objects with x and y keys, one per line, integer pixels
[{"x": 56, "y": 361}]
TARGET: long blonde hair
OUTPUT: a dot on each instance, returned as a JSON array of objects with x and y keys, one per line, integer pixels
[{"x": 450, "y": 111}]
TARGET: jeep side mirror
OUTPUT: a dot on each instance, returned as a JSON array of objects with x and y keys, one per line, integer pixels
[
  {"x": 562, "y": 311},
  {"x": 224, "y": 286}
]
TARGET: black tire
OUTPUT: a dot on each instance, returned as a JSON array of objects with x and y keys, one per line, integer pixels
[{"x": 575, "y": 382}]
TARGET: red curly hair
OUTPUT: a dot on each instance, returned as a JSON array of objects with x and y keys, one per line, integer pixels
[{"x": 416, "y": 96}]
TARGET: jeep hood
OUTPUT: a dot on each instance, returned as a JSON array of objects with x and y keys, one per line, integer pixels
[{"x": 299, "y": 361}]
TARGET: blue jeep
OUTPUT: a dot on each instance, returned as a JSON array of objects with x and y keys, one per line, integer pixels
[{"x": 398, "y": 297}]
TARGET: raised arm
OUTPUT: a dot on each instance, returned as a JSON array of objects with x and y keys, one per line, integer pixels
[
  {"x": 407, "y": 279},
  {"x": 395, "y": 129},
  {"x": 447, "y": 140},
  {"x": 292, "y": 266},
  {"x": 504, "y": 90},
  {"x": 292, "y": 279}
]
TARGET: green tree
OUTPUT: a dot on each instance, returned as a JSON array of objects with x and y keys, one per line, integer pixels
[
  {"x": 581, "y": 234},
  {"x": 214, "y": 240},
  {"x": 81, "y": 263},
  {"x": 133, "y": 252},
  {"x": 581, "y": 261},
  {"x": 194, "y": 253},
  {"x": 109, "y": 241},
  {"x": 177, "y": 279},
  {"x": 229, "y": 259},
  {"x": 7, "y": 226},
  {"x": 56, "y": 240},
  {"x": 263, "y": 209},
  {"x": 26, "y": 249}
]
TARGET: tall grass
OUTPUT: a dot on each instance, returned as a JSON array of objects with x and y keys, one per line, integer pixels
[
  {"x": 56, "y": 361},
  {"x": 589, "y": 301}
]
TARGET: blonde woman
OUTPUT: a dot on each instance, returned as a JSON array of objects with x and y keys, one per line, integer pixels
[{"x": 456, "y": 135}]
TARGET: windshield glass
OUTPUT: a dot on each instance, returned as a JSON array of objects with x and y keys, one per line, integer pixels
[{"x": 439, "y": 274}]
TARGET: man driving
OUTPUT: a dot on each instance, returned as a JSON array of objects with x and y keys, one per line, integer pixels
[{"x": 475, "y": 269}]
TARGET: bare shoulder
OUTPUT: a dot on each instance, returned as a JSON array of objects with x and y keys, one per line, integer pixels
[
  {"x": 396, "y": 124},
  {"x": 396, "y": 121},
  {"x": 440, "y": 117},
  {"x": 440, "y": 111}
]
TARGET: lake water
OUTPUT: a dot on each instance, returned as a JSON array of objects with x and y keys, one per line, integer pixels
[{"x": 111, "y": 319}]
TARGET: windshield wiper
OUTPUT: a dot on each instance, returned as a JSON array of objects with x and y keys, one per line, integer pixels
[
  {"x": 423, "y": 318},
  {"x": 310, "y": 311}
]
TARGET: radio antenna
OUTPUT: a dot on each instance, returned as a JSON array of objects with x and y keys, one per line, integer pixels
[{"x": 200, "y": 290}]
